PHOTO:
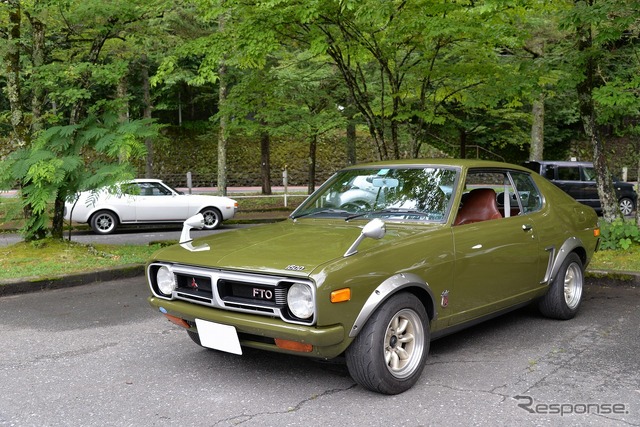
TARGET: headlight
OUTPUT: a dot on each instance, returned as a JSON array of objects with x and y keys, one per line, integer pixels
[
  {"x": 300, "y": 301},
  {"x": 165, "y": 280}
]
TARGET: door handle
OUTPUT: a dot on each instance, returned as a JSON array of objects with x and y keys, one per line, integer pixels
[{"x": 527, "y": 227}]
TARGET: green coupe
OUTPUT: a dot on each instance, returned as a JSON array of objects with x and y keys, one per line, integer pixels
[{"x": 379, "y": 261}]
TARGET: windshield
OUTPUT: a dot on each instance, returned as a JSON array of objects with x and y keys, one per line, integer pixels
[{"x": 392, "y": 193}]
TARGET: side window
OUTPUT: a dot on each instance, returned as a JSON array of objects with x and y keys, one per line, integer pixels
[
  {"x": 548, "y": 171},
  {"x": 569, "y": 173},
  {"x": 159, "y": 190},
  {"x": 488, "y": 195},
  {"x": 528, "y": 193},
  {"x": 130, "y": 188},
  {"x": 152, "y": 189}
]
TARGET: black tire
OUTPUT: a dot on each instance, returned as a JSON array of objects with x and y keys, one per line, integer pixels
[
  {"x": 104, "y": 222},
  {"x": 564, "y": 296},
  {"x": 398, "y": 328},
  {"x": 212, "y": 218},
  {"x": 626, "y": 206}
]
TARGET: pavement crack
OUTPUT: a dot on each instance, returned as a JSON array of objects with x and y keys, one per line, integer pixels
[
  {"x": 559, "y": 358},
  {"x": 242, "y": 418},
  {"x": 67, "y": 354},
  {"x": 493, "y": 391}
]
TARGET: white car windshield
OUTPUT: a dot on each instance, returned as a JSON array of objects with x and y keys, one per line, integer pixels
[{"x": 419, "y": 193}]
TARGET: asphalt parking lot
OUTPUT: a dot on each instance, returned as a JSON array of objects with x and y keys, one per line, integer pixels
[{"x": 98, "y": 355}]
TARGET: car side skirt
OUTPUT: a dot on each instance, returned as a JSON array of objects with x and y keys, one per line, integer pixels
[{"x": 460, "y": 326}]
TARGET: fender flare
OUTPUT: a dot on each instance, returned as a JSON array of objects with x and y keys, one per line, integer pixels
[
  {"x": 568, "y": 247},
  {"x": 384, "y": 291}
]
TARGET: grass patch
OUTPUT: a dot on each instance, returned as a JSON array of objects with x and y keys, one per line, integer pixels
[
  {"x": 48, "y": 258},
  {"x": 617, "y": 260}
]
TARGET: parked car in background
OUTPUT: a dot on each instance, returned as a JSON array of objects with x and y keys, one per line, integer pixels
[
  {"x": 146, "y": 201},
  {"x": 578, "y": 179},
  {"x": 379, "y": 261}
]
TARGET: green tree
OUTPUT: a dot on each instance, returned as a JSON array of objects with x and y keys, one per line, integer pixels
[
  {"x": 617, "y": 95},
  {"x": 604, "y": 35},
  {"x": 71, "y": 85},
  {"x": 293, "y": 96},
  {"x": 402, "y": 62}
]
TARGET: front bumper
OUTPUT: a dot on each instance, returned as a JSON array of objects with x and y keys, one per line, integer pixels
[{"x": 260, "y": 331}]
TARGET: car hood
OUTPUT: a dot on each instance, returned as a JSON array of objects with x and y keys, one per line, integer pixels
[{"x": 290, "y": 247}]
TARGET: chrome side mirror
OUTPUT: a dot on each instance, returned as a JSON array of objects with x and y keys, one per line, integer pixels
[
  {"x": 374, "y": 229},
  {"x": 196, "y": 221}
]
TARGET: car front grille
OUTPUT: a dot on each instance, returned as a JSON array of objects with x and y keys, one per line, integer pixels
[{"x": 249, "y": 293}]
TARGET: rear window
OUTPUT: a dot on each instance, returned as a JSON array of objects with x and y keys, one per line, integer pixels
[{"x": 566, "y": 173}]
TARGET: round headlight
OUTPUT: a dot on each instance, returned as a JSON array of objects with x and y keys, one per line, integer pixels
[
  {"x": 300, "y": 301},
  {"x": 165, "y": 280}
]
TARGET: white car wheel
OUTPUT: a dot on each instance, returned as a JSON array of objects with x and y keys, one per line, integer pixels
[
  {"x": 626, "y": 206},
  {"x": 212, "y": 218},
  {"x": 104, "y": 222}
]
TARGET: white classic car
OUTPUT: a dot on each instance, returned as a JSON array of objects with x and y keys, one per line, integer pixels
[{"x": 146, "y": 201}]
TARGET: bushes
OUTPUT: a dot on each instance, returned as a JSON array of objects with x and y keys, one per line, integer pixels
[{"x": 619, "y": 234}]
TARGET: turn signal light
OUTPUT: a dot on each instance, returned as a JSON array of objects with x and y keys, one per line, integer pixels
[
  {"x": 596, "y": 232},
  {"x": 178, "y": 321},
  {"x": 293, "y": 345},
  {"x": 341, "y": 295}
]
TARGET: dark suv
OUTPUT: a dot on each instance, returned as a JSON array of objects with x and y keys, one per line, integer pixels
[{"x": 578, "y": 179}]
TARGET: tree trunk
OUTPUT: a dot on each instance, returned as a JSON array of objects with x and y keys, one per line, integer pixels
[
  {"x": 37, "y": 59},
  {"x": 57, "y": 222},
  {"x": 265, "y": 163},
  {"x": 313, "y": 142},
  {"x": 395, "y": 144},
  {"x": 222, "y": 132},
  {"x": 121, "y": 93},
  {"x": 351, "y": 142},
  {"x": 536, "y": 149},
  {"x": 463, "y": 143},
  {"x": 123, "y": 107},
  {"x": 146, "y": 114},
  {"x": 20, "y": 137}
]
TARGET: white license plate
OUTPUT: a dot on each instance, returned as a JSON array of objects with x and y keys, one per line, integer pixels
[{"x": 218, "y": 337}]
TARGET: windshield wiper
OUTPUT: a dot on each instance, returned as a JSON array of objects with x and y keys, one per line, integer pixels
[
  {"x": 321, "y": 211},
  {"x": 387, "y": 211}
]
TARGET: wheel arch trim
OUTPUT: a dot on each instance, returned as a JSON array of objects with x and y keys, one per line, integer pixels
[
  {"x": 388, "y": 288},
  {"x": 571, "y": 245}
]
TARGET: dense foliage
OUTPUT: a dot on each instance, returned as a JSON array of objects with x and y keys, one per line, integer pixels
[
  {"x": 620, "y": 234},
  {"x": 96, "y": 91}
]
